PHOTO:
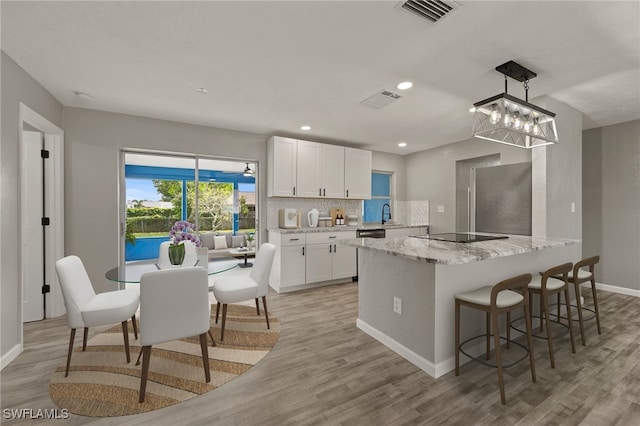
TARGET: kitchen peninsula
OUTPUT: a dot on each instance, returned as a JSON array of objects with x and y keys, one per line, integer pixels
[{"x": 406, "y": 288}]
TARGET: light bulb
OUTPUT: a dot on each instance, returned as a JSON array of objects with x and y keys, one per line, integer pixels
[
  {"x": 507, "y": 119},
  {"x": 527, "y": 124},
  {"x": 536, "y": 126},
  {"x": 517, "y": 121},
  {"x": 495, "y": 115}
]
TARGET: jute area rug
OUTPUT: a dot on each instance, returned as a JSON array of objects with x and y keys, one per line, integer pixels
[{"x": 102, "y": 384}]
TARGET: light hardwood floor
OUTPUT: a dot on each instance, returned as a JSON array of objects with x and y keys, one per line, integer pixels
[{"x": 323, "y": 370}]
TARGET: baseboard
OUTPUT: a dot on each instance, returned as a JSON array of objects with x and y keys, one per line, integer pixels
[
  {"x": 420, "y": 362},
  {"x": 615, "y": 289},
  {"x": 10, "y": 356},
  {"x": 293, "y": 288}
]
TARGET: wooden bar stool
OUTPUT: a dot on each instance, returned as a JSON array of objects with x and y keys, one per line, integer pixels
[
  {"x": 578, "y": 276},
  {"x": 494, "y": 301},
  {"x": 545, "y": 287}
]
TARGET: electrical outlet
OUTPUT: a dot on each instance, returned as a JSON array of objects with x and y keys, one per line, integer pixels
[
  {"x": 573, "y": 207},
  {"x": 397, "y": 305},
  {"x": 440, "y": 209}
]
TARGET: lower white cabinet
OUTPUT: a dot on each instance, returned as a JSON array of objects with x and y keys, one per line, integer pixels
[{"x": 312, "y": 258}]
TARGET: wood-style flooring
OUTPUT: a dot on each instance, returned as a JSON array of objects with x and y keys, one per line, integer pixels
[{"x": 324, "y": 370}]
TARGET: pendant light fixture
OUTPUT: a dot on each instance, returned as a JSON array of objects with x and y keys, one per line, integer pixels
[
  {"x": 506, "y": 119},
  {"x": 247, "y": 171}
]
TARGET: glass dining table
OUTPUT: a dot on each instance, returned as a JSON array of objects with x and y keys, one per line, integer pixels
[{"x": 131, "y": 272}]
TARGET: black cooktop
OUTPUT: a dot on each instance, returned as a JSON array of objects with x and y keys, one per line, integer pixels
[{"x": 460, "y": 237}]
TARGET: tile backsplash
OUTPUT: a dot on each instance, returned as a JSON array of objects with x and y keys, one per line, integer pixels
[
  {"x": 304, "y": 205},
  {"x": 405, "y": 212}
]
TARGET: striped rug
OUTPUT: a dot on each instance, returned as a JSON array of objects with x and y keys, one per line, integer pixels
[{"x": 102, "y": 384}]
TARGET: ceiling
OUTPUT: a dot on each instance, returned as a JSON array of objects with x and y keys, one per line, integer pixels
[{"x": 271, "y": 67}]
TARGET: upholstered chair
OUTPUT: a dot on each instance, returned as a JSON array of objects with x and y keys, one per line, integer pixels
[
  {"x": 234, "y": 289},
  {"x": 174, "y": 304},
  {"x": 87, "y": 309}
]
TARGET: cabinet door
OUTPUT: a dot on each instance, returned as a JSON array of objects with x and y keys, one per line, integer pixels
[
  {"x": 309, "y": 173},
  {"x": 343, "y": 262},
  {"x": 357, "y": 164},
  {"x": 293, "y": 266},
  {"x": 318, "y": 262},
  {"x": 282, "y": 167},
  {"x": 332, "y": 171}
]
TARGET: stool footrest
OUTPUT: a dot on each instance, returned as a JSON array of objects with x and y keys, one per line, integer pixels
[
  {"x": 483, "y": 361},
  {"x": 537, "y": 336},
  {"x": 584, "y": 308}
]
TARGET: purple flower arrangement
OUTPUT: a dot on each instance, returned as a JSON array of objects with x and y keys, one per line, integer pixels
[{"x": 183, "y": 231}]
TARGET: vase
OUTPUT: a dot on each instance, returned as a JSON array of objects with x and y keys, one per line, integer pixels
[{"x": 176, "y": 254}]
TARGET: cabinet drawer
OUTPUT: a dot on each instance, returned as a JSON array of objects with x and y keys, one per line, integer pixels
[
  {"x": 292, "y": 239},
  {"x": 329, "y": 237}
]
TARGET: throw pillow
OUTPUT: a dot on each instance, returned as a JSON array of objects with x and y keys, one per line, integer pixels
[
  {"x": 206, "y": 238},
  {"x": 237, "y": 241},
  {"x": 220, "y": 242}
]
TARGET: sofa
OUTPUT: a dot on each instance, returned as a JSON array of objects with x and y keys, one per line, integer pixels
[{"x": 219, "y": 244}]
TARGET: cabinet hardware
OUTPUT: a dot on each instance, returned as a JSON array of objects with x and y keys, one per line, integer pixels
[
  {"x": 319, "y": 192},
  {"x": 329, "y": 248},
  {"x": 334, "y": 236},
  {"x": 324, "y": 192},
  {"x": 303, "y": 250},
  {"x": 335, "y": 249},
  {"x": 294, "y": 239},
  {"x": 347, "y": 193},
  {"x": 294, "y": 191}
]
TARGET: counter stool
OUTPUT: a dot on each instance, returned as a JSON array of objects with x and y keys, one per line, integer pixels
[
  {"x": 579, "y": 276},
  {"x": 545, "y": 287},
  {"x": 495, "y": 301}
]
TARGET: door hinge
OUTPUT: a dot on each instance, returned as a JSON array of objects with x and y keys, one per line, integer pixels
[
  {"x": 46, "y": 288},
  {"x": 44, "y": 153},
  {"x": 45, "y": 221}
]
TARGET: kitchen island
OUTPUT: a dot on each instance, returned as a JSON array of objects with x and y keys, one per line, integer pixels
[{"x": 419, "y": 278}]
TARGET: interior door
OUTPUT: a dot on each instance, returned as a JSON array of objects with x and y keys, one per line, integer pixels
[{"x": 32, "y": 230}]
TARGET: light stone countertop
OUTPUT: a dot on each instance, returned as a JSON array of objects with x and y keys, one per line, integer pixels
[
  {"x": 343, "y": 228},
  {"x": 449, "y": 253}
]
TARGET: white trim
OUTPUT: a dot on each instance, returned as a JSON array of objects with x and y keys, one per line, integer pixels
[
  {"x": 10, "y": 355},
  {"x": 420, "y": 362},
  {"x": 614, "y": 289},
  {"x": 54, "y": 141}
]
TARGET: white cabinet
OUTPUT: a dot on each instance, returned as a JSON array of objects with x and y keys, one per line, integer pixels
[
  {"x": 328, "y": 260},
  {"x": 288, "y": 267},
  {"x": 309, "y": 178},
  {"x": 297, "y": 168},
  {"x": 308, "y": 260},
  {"x": 357, "y": 175},
  {"x": 282, "y": 171},
  {"x": 332, "y": 166}
]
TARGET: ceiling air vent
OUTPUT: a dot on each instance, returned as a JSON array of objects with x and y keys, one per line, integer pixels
[
  {"x": 431, "y": 10},
  {"x": 381, "y": 99}
]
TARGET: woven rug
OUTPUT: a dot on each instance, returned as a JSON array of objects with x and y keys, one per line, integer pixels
[{"x": 102, "y": 384}]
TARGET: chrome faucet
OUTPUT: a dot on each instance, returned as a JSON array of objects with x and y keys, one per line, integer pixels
[{"x": 388, "y": 214}]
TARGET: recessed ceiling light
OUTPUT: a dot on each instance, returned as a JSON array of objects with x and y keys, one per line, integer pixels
[
  {"x": 202, "y": 90},
  {"x": 405, "y": 85},
  {"x": 83, "y": 96},
  {"x": 402, "y": 144},
  {"x": 305, "y": 127}
]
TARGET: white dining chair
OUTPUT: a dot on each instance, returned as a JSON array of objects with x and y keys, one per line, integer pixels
[
  {"x": 234, "y": 289},
  {"x": 190, "y": 255},
  {"x": 87, "y": 309},
  {"x": 174, "y": 304}
]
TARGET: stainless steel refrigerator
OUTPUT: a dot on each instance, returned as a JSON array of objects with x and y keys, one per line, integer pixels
[{"x": 500, "y": 199}]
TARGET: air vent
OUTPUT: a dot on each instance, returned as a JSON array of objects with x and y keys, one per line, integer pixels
[
  {"x": 431, "y": 10},
  {"x": 381, "y": 99}
]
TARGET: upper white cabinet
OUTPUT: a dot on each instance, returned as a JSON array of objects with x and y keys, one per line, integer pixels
[
  {"x": 357, "y": 173},
  {"x": 298, "y": 168},
  {"x": 282, "y": 172}
]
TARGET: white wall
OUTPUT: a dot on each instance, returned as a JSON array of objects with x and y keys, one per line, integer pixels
[
  {"x": 431, "y": 175},
  {"x": 93, "y": 140},
  {"x": 17, "y": 86},
  {"x": 611, "y": 202}
]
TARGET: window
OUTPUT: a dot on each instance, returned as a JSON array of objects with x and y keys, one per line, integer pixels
[{"x": 380, "y": 195}]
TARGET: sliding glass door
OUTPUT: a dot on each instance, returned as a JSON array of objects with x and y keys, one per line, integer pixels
[{"x": 159, "y": 189}]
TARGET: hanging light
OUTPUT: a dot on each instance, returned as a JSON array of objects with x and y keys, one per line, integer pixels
[
  {"x": 247, "y": 171},
  {"x": 506, "y": 119}
]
